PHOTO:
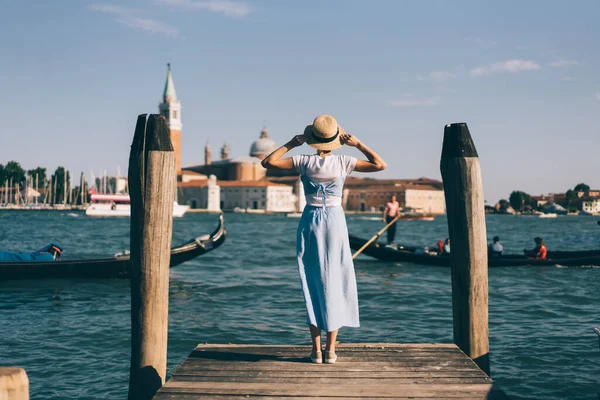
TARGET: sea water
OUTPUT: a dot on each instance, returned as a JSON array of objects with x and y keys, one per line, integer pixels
[{"x": 73, "y": 336}]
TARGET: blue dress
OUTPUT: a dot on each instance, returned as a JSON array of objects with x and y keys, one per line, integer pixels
[{"x": 325, "y": 260}]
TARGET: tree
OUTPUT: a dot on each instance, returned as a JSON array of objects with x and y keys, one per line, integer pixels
[
  {"x": 516, "y": 200},
  {"x": 581, "y": 187},
  {"x": 570, "y": 195},
  {"x": 2, "y": 176},
  {"x": 519, "y": 200},
  {"x": 503, "y": 203},
  {"x": 14, "y": 171},
  {"x": 39, "y": 172}
]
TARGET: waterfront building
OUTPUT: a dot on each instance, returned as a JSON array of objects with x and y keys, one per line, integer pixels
[
  {"x": 202, "y": 194},
  {"x": 591, "y": 206},
  {"x": 420, "y": 195},
  {"x": 257, "y": 195},
  {"x": 238, "y": 169}
]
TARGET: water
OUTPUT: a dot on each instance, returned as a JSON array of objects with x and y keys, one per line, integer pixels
[{"x": 73, "y": 336}]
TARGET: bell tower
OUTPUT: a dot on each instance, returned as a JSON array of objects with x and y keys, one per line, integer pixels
[{"x": 171, "y": 109}]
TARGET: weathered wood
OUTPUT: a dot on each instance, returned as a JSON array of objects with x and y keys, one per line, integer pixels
[
  {"x": 152, "y": 191},
  {"x": 463, "y": 189},
  {"x": 271, "y": 372},
  {"x": 14, "y": 384},
  {"x": 347, "y": 389}
]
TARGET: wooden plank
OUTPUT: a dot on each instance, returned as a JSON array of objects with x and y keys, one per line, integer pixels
[
  {"x": 341, "y": 358},
  {"x": 191, "y": 367},
  {"x": 330, "y": 381},
  {"x": 433, "y": 346},
  {"x": 382, "y": 391},
  {"x": 328, "y": 372},
  {"x": 363, "y": 372},
  {"x": 190, "y": 396},
  {"x": 371, "y": 352}
]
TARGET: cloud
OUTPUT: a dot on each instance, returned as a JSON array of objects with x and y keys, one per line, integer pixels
[
  {"x": 512, "y": 66},
  {"x": 598, "y": 95},
  {"x": 412, "y": 102},
  {"x": 440, "y": 76},
  {"x": 135, "y": 19},
  {"x": 568, "y": 78},
  {"x": 563, "y": 63},
  {"x": 230, "y": 8}
]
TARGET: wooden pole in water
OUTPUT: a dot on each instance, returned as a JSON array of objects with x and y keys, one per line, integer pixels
[
  {"x": 152, "y": 191},
  {"x": 14, "y": 384},
  {"x": 463, "y": 189}
]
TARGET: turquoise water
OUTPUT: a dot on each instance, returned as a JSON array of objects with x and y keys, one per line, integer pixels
[{"x": 73, "y": 336}]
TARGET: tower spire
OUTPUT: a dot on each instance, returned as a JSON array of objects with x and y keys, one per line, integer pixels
[{"x": 169, "y": 92}]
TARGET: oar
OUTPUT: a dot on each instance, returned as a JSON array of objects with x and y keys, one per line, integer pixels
[{"x": 375, "y": 237}]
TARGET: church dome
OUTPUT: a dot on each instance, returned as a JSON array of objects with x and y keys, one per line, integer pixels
[{"x": 263, "y": 146}]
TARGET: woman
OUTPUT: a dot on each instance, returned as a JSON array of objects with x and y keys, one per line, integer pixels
[{"x": 323, "y": 250}]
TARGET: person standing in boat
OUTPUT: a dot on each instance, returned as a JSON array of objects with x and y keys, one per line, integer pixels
[
  {"x": 322, "y": 248},
  {"x": 391, "y": 211}
]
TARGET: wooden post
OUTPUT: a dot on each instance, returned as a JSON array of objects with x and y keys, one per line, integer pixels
[
  {"x": 152, "y": 191},
  {"x": 14, "y": 384},
  {"x": 463, "y": 189}
]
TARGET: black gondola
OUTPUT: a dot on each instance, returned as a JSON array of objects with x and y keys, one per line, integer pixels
[
  {"x": 114, "y": 267},
  {"x": 409, "y": 254}
]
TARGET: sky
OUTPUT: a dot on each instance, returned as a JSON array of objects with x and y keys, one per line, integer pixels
[{"x": 522, "y": 75}]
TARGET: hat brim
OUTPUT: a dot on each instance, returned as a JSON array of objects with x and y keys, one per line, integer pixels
[{"x": 313, "y": 142}]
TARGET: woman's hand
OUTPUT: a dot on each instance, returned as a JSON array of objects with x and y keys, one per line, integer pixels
[
  {"x": 349, "y": 140},
  {"x": 297, "y": 141}
]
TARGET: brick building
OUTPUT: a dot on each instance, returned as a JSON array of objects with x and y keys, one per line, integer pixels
[{"x": 422, "y": 195}]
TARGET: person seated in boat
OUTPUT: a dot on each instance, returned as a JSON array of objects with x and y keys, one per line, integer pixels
[
  {"x": 440, "y": 246},
  {"x": 495, "y": 249},
  {"x": 392, "y": 210},
  {"x": 539, "y": 252},
  {"x": 50, "y": 252},
  {"x": 446, "y": 248}
]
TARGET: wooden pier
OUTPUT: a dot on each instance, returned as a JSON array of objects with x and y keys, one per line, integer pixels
[{"x": 364, "y": 371}]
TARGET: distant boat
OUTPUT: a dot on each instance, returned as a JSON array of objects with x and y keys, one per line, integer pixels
[
  {"x": 118, "y": 205},
  {"x": 118, "y": 266},
  {"x": 294, "y": 215},
  {"x": 418, "y": 255},
  {"x": 549, "y": 215}
]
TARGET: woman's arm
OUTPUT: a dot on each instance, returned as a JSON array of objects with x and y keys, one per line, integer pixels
[
  {"x": 375, "y": 162},
  {"x": 274, "y": 161}
]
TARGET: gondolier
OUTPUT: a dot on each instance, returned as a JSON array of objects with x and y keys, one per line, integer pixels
[
  {"x": 391, "y": 211},
  {"x": 323, "y": 250}
]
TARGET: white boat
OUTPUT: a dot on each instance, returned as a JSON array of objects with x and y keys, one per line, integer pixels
[
  {"x": 549, "y": 215},
  {"x": 118, "y": 205}
]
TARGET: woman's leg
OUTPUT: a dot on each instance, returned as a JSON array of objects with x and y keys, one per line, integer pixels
[
  {"x": 331, "y": 337},
  {"x": 315, "y": 335}
]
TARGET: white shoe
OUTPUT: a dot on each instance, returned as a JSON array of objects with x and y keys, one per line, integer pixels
[
  {"x": 330, "y": 357},
  {"x": 316, "y": 357}
]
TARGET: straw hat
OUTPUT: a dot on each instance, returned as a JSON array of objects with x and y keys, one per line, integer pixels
[{"x": 324, "y": 133}]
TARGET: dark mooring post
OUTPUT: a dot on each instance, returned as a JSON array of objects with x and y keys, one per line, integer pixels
[
  {"x": 463, "y": 189},
  {"x": 152, "y": 192}
]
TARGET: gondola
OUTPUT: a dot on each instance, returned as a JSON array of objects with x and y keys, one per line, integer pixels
[
  {"x": 410, "y": 254},
  {"x": 118, "y": 266}
]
